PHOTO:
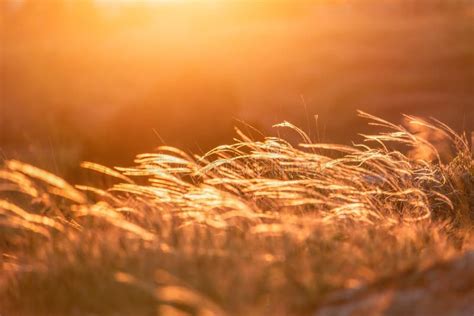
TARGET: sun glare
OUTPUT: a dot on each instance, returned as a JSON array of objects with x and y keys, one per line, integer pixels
[{"x": 145, "y": 2}]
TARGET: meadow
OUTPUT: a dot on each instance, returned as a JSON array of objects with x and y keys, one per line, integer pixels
[
  {"x": 125, "y": 189},
  {"x": 260, "y": 226}
]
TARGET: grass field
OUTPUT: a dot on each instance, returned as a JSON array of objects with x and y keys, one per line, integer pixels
[{"x": 257, "y": 227}]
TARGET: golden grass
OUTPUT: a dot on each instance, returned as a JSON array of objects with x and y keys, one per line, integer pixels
[{"x": 255, "y": 227}]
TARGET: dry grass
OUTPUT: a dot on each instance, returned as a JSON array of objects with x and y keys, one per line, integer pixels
[{"x": 256, "y": 227}]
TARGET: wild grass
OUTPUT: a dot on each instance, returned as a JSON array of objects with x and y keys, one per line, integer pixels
[{"x": 257, "y": 227}]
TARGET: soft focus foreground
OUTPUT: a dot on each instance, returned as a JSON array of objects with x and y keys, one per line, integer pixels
[{"x": 253, "y": 228}]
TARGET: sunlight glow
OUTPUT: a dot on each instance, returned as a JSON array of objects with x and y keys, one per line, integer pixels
[{"x": 146, "y": 2}]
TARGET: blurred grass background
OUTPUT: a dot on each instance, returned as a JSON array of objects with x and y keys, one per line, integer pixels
[{"x": 83, "y": 80}]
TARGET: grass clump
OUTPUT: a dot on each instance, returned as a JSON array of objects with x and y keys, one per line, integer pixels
[{"x": 255, "y": 227}]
